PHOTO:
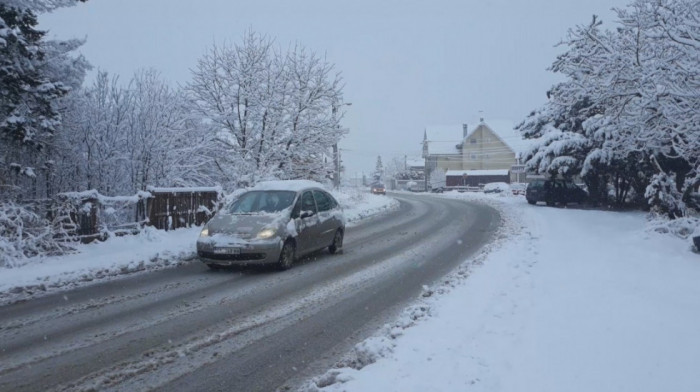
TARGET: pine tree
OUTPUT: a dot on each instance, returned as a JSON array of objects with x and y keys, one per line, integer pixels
[
  {"x": 379, "y": 170},
  {"x": 34, "y": 75}
]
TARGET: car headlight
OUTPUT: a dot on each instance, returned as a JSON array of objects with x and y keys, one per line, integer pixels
[
  {"x": 204, "y": 232},
  {"x": 266, "y": 233}
]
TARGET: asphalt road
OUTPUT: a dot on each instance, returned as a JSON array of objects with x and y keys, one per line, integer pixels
[{"x": 191, "y": 329}]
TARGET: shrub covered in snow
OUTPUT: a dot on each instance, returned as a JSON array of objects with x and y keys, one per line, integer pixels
[
  {"x": 24, "y": 234},
  {"x": 663, "y": 196}
]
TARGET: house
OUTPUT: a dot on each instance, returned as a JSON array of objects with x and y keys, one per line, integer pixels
[{"x": 473, "y": 155}]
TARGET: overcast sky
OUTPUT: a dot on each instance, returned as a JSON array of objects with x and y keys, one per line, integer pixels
[{"x": 406, "y": 64}]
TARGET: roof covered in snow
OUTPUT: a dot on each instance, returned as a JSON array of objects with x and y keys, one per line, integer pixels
[
  {"x": 499, "y": 172},
  {"x": 415, "y": 162},
  {"x": 443, "y": 139},
  {"x": 286, "y": 185}
]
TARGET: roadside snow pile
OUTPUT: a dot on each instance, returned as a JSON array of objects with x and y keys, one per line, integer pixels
[
  {"x": 150, "y": 250},
  {"x": 685, "y": 228},
  {"x": 567, "y": 299},
  {"x": 359, "y": 204}
]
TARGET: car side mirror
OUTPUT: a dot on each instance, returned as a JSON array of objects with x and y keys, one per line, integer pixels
[{"x": 307, "y": 214}]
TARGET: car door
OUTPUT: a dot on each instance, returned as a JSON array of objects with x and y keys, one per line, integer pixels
[
  {"x": 308, "y": 224},
  {"x": 327, "y": 222}
]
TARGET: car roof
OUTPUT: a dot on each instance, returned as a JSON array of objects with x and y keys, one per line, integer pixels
[{"x": 287, "y": 185}]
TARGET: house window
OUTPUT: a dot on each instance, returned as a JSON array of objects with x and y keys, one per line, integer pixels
[
  {"x": 473, "y": 157},
  {"x": 472, "y": 140}
]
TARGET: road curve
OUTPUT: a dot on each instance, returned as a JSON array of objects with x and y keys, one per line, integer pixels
[{"x": 187, "y": 328}]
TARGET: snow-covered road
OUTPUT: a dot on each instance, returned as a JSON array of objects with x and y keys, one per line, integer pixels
[{"x": 186, "y": 328}]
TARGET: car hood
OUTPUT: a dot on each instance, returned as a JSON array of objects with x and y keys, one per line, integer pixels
[{"x": 244, "y": 226}]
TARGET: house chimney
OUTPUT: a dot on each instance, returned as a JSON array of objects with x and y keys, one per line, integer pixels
[{"x": 465, "y": 131}]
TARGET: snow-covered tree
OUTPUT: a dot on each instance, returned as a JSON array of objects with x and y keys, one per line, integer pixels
[
  {"x": 394, "y": 167},
  {"x": 275, "y": 112},
  {"x": 628, "y": 107},
  {"x": 34, "y": 75},
  {"x": 378, "y": 174},
  {"x": 119, "y": 139}
]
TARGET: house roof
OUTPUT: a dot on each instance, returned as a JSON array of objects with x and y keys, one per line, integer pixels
[
  {"x": 415, "y": 162},
  {"x": 442, "y": 139},
  {"x": 497, "y": 172}
]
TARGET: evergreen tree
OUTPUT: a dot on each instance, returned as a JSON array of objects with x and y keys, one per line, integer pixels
[
  {"x": 379, "y": 170},
  {"x": 34, "y": 75}
]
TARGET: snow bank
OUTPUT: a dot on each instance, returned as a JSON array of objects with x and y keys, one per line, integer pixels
[
  {"x": 359, "y": 204},
  {"x": 566, "y": 299}
]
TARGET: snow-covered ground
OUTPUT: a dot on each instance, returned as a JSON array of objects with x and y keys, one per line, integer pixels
[
  {"x": 150, "y": 250},
  {"x": 564, "y": 300}
]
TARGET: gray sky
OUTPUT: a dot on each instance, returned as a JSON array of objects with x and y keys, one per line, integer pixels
[{"x": 406, "y": 64}]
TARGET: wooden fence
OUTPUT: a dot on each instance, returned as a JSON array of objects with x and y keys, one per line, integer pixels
[
  {"x": 87, "y": 216},
  {"x": 172, "y": 208}
]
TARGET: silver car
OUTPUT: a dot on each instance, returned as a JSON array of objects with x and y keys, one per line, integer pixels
[{"x": 274, "y": 222}]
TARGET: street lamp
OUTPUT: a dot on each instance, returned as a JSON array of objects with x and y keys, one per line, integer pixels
[{"x": 336, "y": 151}]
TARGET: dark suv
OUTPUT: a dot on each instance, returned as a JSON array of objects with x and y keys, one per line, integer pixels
[{"x": 554, "y": 191}]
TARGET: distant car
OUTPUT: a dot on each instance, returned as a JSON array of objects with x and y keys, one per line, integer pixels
[
  {"x": 274, "y": 222},
  {"x": 378, "y": 189},
  {"x": 554, "y": 192},
  {"x": 497, "y": 187},
  {"x": 438, "y": 189}
]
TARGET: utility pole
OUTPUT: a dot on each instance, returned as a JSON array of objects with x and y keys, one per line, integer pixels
[
  {"x": 336, "y": 150},
  {"x": 336, "y": 172}
]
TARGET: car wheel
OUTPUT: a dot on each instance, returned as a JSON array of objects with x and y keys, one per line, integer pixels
[
  {"x": 337, "y": 245},
  {"x": 533, "y": 202},
  {"x": 287, "y": 255}
]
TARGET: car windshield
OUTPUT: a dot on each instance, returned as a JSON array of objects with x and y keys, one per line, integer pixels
[{"x": 262, "y": 202}]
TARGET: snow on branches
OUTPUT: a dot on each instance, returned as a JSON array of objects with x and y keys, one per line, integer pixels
[
  {"x": 36, "y": 75},
  {"x": 275, "y": 112},
  {"x": 628, "y": 110}
]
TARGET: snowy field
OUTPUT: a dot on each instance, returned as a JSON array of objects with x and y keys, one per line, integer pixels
[
  {"x": 150, "y": 250},
  {"x": 564, "y": 300}
]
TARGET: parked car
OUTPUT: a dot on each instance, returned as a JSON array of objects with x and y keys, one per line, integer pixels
[
  {"x": 554, "y": 191},
  {"x": 496, "y": 187},
  {"x": 438, "y": 189},
  {"x": 378, "y": 189},
  {"x": 273, "y": 223}
]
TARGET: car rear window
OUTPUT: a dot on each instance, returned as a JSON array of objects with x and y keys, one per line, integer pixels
[{"x": 536, "y": 184}]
